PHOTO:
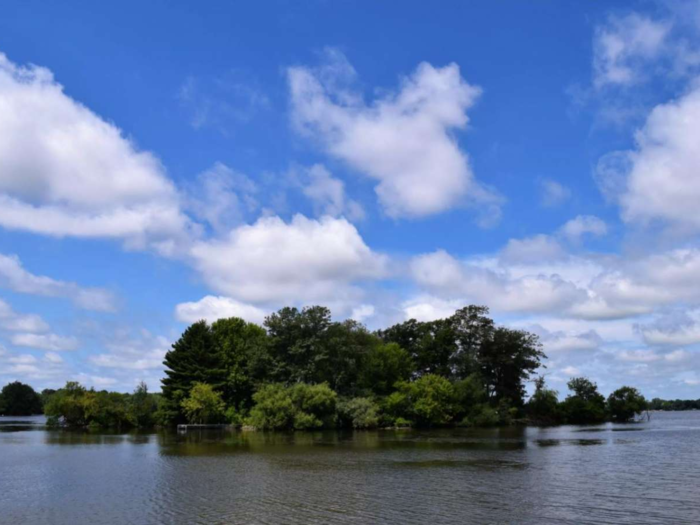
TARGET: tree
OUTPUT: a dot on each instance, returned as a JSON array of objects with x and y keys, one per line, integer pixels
[
  {"x": 142, "y": 407},
  {"x": 585, "y": 405},
  {"x": 429, "y": 400},
  {"x": 300, "y": 407},
  {"x": 384, "y": 366},
  {"x": 472, "y": 329},
  {"x": 431, "y": 345},
  {"x": 194, "y": 358},
  {"x": 297, "y": 342},
  {"x": 359, "y": 412},
  {"x": 19, "y": 399},
  {"x": 625, "y": 403},
  {"x": 543, "y": 406},
  {"x": 273, "y": 408},
  {"x": 506, "y": 361},
  {"x": 203, "y": 405},
  {"x": 243, "y": 350},
  {"x": 68, "y": 405}
]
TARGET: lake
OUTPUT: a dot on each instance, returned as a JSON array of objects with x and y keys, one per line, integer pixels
[{"x": 639, "y": 473}]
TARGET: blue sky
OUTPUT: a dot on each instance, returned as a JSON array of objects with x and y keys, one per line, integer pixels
[{"x": 161, "y": 163}]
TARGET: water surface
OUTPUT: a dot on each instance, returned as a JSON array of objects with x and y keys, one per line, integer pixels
[{"x": 641, "y": 473}]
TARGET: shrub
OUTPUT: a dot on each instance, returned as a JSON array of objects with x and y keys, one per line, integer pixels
[
  {"x": 204, "y": 405},
  {"x": 360, "y": 412},
  {"x": 625, "y": 403}
]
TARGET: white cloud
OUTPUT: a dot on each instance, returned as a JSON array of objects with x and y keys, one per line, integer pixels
[
  {"x": 576, "y": 228},
  {"x": 623, "y": 45},
  {"x": 362, "y": 312},
  {"x": 53, "y": 357},
  {"x": 658, "y": 180},
  {"x": 51, "y": 342},
  {"x": 428, "y": 308},
  {"x": 211, "y": 308},
  {"x": 560, "y": 341},
  {"x": 639, "y": 356},
  {"x": 441, "y": 274},
  {"x": 145, "y": 352},
  {"x": 571, "y": 371},
  {"x": 67, "y": 172},
  {"x": 328, "y": 195},
  {"x": 536, "y": 249},
  {"x": 553, "y": 193},
  {"x": 678, "y": 328},
  {"x": 16, "y": 278},
  {"x": 402, "y": 139},
  {"x": 15, "y": 322},
  {"x": 222, "y": 197},
  {"x": 272, "y": 261}
]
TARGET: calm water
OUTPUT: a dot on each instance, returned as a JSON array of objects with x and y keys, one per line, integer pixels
[{"x": 646, "y": 473}]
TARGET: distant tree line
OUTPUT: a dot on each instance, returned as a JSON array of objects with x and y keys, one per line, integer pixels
[
  {"x": 674, "y": 404},
  {"x": 302, "y": 370},
  {"x": 78, "y": 407}
]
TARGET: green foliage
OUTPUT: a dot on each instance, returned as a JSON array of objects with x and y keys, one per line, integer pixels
[
  {"x": 273, "y": 409},
  {"x": 428, "y": 401},
  {"x": 359, "y": 412},
  {"x": 76, "y": 407},
  {"x": 481, "y": 415},
  {"x": 543, "y": 406},
  {"x": 18, "y": 399},
  {"x": 674, "y": 405},
  {"x": 585, "y": 405},
  {"x": 243, "y": 352},
  {"x": 193, "y": 359},
  {"x": 625, "y": 403},
  {"x": 203, "y": 405},
  {"x": 384, "y": 366},
  {"x": 142, "y": 407},
  {"x": 298, "y": 407},
  {"x": 468, "y": 343}
]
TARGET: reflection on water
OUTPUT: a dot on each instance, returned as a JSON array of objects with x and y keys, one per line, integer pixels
[{"x": 510, "y": 475}]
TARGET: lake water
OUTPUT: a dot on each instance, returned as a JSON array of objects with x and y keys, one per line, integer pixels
[{"x": 641, "y": 473}]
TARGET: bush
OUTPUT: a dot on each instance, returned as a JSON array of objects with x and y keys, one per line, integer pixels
[
  {"x": 585, "y": 405},
  {"x": 428, "y": 401},
  {"x": 299, "y": 407},
  {"x": 360, "y": 412},
  {"x": 543, "y": 406},
  {"x": 481, "y": 416},
  {"x": 18, "y": 399},
  {"x": 204, "y": 405},
  {"x": 625, "y": 403}
]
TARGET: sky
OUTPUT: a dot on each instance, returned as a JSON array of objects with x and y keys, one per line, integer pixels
[{"x": 165, "y": 162}]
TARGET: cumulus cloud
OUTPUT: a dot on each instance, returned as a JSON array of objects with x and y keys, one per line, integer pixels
[
  {"x": 442, "y": 274},
  {"x": 582, "y": 225},
  {"x": 51, "y": 342},
  {"x": 221, "y": 197},
  {"x": 553, "y": 193},
  {"x": 402, "y": 139},
  {"x": 273, "y": 261},
  {"x": 560, "y": 341},
  {"x": 145, "y": 352},
  {"x": 16, "y": 322},
  {"x": 211, "y": 308},
  {"x": 674, "y": 328},
  {"x": 328, "y": 194},
  {"x": 623, "y": 45},
  {"x": 582, "y": 286},
  {"x": 658, "y": 179},
  {"x": 538, "y": 249},
  {"x": 67, "y": 172},
  {"x": 15, "y": 277}
]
